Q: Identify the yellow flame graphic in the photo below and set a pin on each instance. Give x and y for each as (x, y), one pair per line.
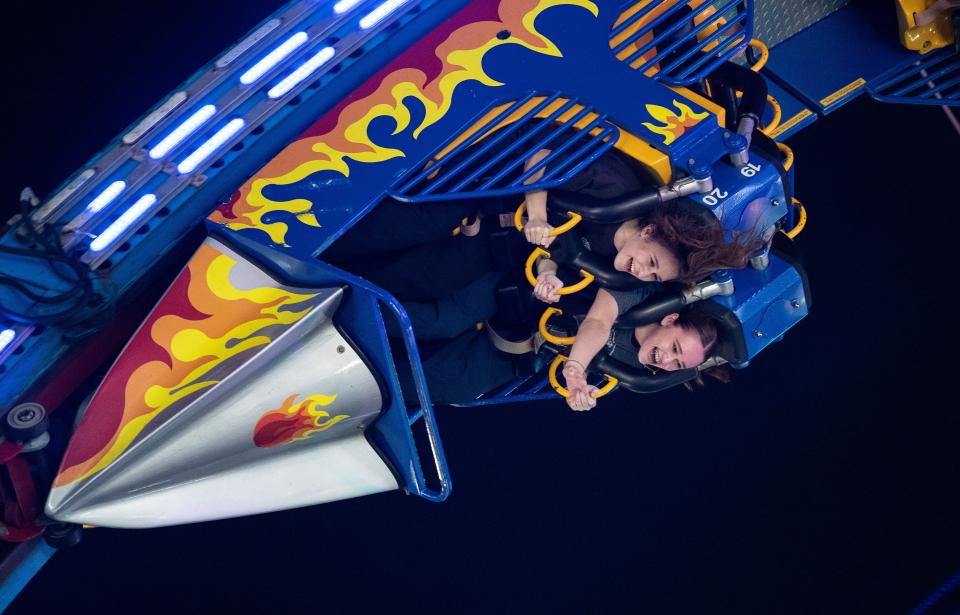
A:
(462, 55)
(195, 347)
(672, 125)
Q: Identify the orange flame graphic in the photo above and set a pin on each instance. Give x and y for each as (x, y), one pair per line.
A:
(461, 58)
(202, 321)
(673, 125)
(290, 422)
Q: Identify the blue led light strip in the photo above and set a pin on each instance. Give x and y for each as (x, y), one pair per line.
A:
(380, 13)
(211, 145)
(107, 196)
(184, 130)
(345, 5)
(273, 58)
(305, 70)
(122, 223)
(6, 336)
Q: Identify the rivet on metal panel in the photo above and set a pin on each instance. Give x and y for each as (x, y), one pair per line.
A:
(757, 333)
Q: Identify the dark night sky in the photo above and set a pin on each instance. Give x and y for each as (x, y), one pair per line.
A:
(822, 480)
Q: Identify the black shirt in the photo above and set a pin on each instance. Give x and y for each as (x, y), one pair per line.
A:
(608, 177)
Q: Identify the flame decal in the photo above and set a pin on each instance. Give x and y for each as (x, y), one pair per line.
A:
(203, 321)
(461, 60)
(673, 125)
(290, 423)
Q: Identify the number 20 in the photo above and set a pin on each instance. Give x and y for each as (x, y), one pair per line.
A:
(714, 197)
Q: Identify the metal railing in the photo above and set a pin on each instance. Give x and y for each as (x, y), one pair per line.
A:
(680, 46)
(491, 160)
(933, 79)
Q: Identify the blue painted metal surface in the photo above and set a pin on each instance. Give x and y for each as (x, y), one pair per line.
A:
(746, 198)
(768, 303)
(829, 63)
(931, 79)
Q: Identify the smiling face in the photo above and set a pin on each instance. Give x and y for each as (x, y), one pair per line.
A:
(668, 346)
(646, 259)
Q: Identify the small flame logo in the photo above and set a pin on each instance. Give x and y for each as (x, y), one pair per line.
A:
(672, 125)
(292, 422)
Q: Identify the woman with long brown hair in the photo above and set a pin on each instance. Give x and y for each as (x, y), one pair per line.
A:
(675, 243)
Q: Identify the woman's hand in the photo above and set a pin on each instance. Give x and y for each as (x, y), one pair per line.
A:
(538, 232)
(548, 288)
(581, 394)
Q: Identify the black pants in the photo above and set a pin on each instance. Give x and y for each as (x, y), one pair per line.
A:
(446, 283)
(460, 370)
(393, 225)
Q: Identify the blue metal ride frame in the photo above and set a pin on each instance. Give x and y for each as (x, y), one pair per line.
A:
(739, 31)
(25, 362)
(583, 71)
(555, 163)
(932, 79)
(509, 394)
(24, 562)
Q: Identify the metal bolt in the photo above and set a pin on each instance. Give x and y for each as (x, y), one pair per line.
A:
(691, 162)
(775, 202)
(198, 180)
(796, 304)
(341, 350)
(757, 333)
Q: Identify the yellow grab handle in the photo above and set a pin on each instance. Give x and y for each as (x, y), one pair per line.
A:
(574, 220)
(566, 290)
(777, 114)
(550, 337)
(609, 386)
(537, 253)
(575, 288)
(518, 216)
(802, 222)
(764, 54)
(787, 155)
(606, 388)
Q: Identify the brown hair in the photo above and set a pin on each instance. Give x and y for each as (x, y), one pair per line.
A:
(698, 241)
(706, 328)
